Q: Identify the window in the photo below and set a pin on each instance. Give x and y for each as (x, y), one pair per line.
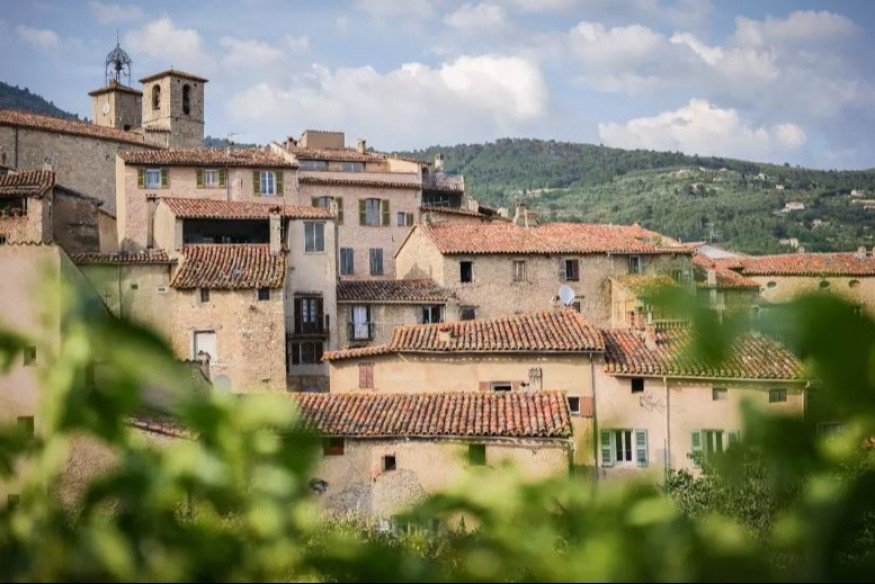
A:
(332, 446)
(373, 212)
(29, 356)
(347, 261)
(263, 294)
(777, 395)
(719, 394)
(361, 328)
(2, 239)
(466, 272)
(624, 447)
(405, 219)
(205, 295)
(210, 178)
(153, 178)
(26, 426)
(156, 97)
(325, 203)
(389, 463)
(314, 237)
(501, 386)
(570, 270)
(186, 99)
(637, 385)
(366, 376)
(352, 166)
(307, 353)
(519, 270)
(771, 285)
(313, 164)
(853, 283)
(205, 342)
(432, 314)
(710, 442)
(635, 265)
(267, 183)
(477, 454)
(467, 313)
(824, 284)
(376, 255)
(574, 405)
(308, 314)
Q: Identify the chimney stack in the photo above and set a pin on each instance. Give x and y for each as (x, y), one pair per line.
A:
(439, 162)
(650, 337)
(523, 217)
(276, 233)
(362, 146)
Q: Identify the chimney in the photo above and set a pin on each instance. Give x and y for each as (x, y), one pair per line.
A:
(523, 217)
(276, 232)
(650, 337)
(712, 277)
(439, 162)
(861, 252)
(362, 146)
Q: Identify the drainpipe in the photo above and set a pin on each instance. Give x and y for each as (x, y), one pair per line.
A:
(667, 426)
(595, 420)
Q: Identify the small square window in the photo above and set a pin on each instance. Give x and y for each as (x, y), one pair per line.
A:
(637, 385)
(153, 178)
(571, 270)
(501, 386)
(466, 272)
(29, 356)
(263, 294)
(574, 404)
(205, 294)
(135, 286)
(477, 454)
(635, 265)
(332, 446)
(2, 239)
(26, 425)
(211, 178)
(519, 271)
(467, 313)
(777, 395)
(719, 394)
(389, 463)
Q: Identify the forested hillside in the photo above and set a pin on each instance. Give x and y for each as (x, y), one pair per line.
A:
(737, 203)
(13, 97)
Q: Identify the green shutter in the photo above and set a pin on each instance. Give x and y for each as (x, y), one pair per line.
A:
(223, 177)
(363, 214)
(385, 205)
(141, 178)
(607, 448)
(165, 178)
(280, 175)
(200, 178)
(339, 201)
(641, 453)
(256, 182)
(696, 444)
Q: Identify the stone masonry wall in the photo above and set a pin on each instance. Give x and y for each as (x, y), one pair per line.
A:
(34, 226)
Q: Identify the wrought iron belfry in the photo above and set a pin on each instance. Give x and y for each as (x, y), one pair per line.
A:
(118, 65)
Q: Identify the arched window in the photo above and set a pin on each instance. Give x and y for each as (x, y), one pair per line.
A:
(853, 283)
(156, 97)
(186, 99)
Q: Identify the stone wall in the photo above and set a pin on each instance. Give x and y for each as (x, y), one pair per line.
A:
(75, 222)
(108, 232)
(858, 289)
(385, 318)
(187, 130)
(419, 258)
(33, 226)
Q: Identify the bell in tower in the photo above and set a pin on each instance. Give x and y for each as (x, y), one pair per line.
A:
(118, 66)
(116, 104)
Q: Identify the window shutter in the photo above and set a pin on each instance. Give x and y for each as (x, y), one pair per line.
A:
(298, 314)
(607, 449)
(256, 182)
(363, 375)
(385, 204)
(320, 317)
(200, 177)
(641, 451)
(363, 214)
(141, 178)
(223, 177)
(165, 178)
(483, 386)
(734, 437)
(562, 275)
(371, 376)
(314, 201)
(696, 443)
(280, 175)
(339, 201)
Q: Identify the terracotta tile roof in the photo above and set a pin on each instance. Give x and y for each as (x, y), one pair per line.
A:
(371, 351)
(391, 291)
(351, 182)
(432, 415)
(26, 183)
(456, 211)
(551, 331)
(219, 157)
(547, 238)
(752, 356)
(150, 256)
(804, 264)
(221, 209)
(230, 267)
(160, 424)
(342, 154)
(22, 119)
(174, 72)
(726, 278)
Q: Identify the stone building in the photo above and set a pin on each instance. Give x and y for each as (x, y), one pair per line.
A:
(521, 354)
(368, 311)
(496, 268)
(383, 452)
(173, 109)
(725, 289)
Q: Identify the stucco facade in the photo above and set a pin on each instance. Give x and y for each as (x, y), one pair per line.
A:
(384, 318)
(857, 289)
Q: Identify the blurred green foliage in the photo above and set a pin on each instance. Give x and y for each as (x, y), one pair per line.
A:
(234, 503)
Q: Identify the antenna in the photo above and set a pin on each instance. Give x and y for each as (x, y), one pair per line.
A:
(566, 295)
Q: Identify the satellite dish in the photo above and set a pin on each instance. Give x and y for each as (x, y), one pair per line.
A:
(222, 384)
(566, 295)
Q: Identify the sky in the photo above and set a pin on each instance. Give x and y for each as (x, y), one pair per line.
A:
(766, 80)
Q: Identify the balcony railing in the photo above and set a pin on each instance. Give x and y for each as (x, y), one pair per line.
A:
(360, 331)
(296, 325)
(443, 182)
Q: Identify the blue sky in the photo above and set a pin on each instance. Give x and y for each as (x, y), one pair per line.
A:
(773, 80)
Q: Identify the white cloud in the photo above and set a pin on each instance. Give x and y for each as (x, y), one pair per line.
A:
(541, 5)
(393, 10)
(800, 26)
(249, 54)
(40, 38)
(296, 43)
(621, 46)
(483, 18)
(163, 41)
(706, 129)
(470, 98)
(107, 13)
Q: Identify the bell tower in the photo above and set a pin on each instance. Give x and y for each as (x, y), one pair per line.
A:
(173, 108)
(116, 104)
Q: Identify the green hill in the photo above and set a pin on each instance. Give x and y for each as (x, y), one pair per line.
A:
(22, 99)
(732, 202)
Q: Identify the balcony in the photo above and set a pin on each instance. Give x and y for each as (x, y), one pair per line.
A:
(299, 327)
(443, 182)
(360, 331)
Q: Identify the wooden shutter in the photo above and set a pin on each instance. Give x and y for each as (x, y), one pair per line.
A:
(280, 175)
(607, 448)
(363, 213)
(339, 201)
(299, 314)
(141, 178)
(200, 177)
(483, 386)
(320, 315)
(256, 182)
(223, 177)
(385, 205)
(696, 444)
(165, 178)
(563, 276)
(641, 452)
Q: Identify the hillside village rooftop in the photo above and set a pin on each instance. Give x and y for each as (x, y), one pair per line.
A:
(803, 264)
(221, 209)
(16, 118)
(230, 267)
(223, 157)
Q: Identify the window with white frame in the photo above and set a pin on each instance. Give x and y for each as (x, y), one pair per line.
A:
(267, 183)
(636, 265)
(624, 447)
(519, 270)
(373, 212)
(712, 441)
(360, 323)
(404, 219)
(432, 314)
(352, 166)
(153, 178)
(777, 396)
(211, 178)
(314, 237)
